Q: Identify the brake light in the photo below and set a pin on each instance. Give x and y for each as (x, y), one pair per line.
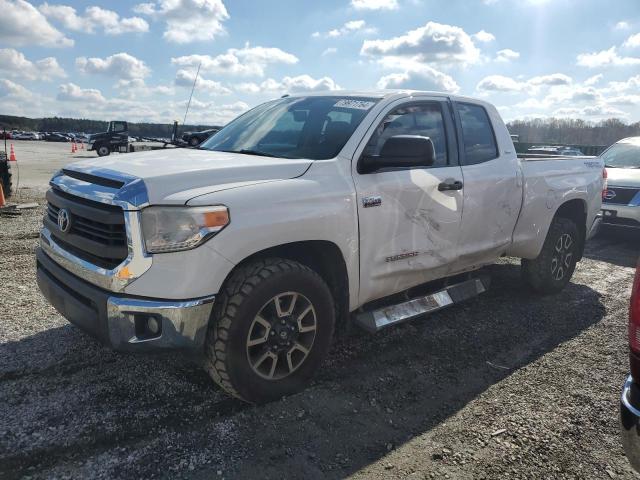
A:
(605, 182)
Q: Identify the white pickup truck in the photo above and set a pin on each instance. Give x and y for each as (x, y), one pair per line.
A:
(303, 215)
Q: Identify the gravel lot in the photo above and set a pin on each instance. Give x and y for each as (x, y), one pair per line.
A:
(509, 385)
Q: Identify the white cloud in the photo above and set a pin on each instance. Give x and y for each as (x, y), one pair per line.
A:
(483, 36)
(209, 113)
(622, 25)
(633, 41)
(605, 58)
(187, 20)
(352, 26)
(12, 89)
(329, 51)
(632, 83)
(507, 55)
(298, 84)
(593, 80)
(421, 78)
(433, 42)
(624, 100)
(21, 24)
(73, 93)
(500, 83)
(247, 61)
(121, 65)
(185, 78)
(374, 4)
(15, 65)
(94, 18)
(550, 80)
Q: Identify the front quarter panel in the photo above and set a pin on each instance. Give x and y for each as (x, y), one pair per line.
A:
(320, 205)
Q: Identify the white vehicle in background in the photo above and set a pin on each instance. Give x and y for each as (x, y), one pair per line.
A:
(301, 215)
(26, 136)
(621, 200)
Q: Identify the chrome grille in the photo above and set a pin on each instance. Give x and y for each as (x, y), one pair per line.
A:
(97, 232)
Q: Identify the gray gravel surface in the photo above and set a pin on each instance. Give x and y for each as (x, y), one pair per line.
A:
(509, 385)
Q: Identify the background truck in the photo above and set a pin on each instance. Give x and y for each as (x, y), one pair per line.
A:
(115, 139)
(300, 217)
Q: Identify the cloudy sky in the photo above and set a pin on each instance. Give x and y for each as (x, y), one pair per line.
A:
(137, 61)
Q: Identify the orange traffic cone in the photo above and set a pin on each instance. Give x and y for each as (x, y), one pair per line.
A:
(2, 200)
(73, 147)
(12, 154)
(81, 145)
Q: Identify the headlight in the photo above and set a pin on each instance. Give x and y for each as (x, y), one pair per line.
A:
(171, 229)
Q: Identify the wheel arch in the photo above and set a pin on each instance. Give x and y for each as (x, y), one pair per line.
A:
(322, 256)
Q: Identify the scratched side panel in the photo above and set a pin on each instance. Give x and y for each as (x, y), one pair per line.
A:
(547, 185)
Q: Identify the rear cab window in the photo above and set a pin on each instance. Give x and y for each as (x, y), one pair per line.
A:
(479, 141)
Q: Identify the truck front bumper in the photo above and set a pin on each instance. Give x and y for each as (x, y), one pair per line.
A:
(122, 322)
(630, 422)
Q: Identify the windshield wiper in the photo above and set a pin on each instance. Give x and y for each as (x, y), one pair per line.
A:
(249, 151)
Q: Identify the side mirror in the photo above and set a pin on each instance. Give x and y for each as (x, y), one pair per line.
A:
(401, 151)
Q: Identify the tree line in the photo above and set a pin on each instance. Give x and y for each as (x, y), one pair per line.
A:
(78, 125)
(572, 131)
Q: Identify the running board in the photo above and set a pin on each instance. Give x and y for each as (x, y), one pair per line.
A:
(375, 320)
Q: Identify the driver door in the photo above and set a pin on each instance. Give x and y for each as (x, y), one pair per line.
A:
(409, 222)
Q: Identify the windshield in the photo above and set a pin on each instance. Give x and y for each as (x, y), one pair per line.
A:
(294, 127)
(622, 155)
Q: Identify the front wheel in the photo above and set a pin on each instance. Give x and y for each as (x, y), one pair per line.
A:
(272, 327)
(103, 151)
(194, 141)
(552, 270)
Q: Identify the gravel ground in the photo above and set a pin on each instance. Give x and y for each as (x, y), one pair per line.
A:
(509, 385)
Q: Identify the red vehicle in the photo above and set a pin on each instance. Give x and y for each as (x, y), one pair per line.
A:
(630, 401)
(5, 135)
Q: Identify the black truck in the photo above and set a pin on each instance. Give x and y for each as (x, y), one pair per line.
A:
(115, 139)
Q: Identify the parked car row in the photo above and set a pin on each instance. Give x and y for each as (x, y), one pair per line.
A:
(47, 136)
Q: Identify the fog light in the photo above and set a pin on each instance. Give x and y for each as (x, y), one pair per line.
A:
(153, 326)
(147, 326)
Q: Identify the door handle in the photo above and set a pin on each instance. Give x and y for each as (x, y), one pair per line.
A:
(450, 185)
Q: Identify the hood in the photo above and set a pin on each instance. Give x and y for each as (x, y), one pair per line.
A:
(176, 175)
(623, 177)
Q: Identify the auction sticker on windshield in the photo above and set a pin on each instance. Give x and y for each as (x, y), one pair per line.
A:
(354, 104)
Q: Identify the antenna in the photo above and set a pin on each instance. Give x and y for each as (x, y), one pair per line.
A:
(184, 122)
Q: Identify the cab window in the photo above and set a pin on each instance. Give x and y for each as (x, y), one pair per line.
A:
(423, 119)
(477, 133)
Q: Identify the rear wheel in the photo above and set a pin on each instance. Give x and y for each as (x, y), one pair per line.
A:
(103, 150)
(552, 270)
(271, 329)
(193, 141)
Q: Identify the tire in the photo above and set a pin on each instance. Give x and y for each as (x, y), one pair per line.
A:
(194, 141)
(552, 270)
(238, 367)
(103, 150)
(5, 176)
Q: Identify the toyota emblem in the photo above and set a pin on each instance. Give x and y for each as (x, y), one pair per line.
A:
(609, 195)
(64, 220)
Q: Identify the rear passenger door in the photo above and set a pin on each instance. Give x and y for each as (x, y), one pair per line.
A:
(492, 185)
